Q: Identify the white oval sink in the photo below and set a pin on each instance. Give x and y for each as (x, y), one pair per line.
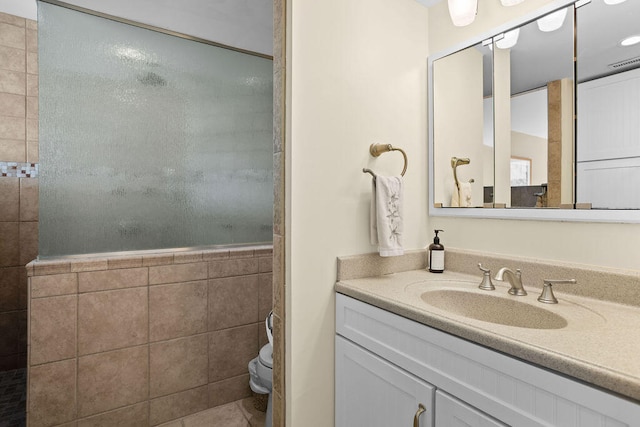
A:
(494, 309)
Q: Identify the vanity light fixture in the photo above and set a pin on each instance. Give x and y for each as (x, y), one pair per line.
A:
(462, 12)
(509, 40)
(612, 2)
(630, 41)
(512, 2)
(552, 21)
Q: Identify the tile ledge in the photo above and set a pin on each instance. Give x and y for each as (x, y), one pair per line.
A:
(153, 257)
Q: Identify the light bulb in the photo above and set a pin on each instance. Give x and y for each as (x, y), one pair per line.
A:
(509, 40)
(630, 41)
(462, 12)
(612, 2)
(552, 21)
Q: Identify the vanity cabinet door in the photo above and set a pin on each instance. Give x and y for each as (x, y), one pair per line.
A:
(371, 392)
(452, 412)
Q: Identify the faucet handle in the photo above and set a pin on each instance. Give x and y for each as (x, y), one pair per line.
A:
(547, 296)
(486, 284)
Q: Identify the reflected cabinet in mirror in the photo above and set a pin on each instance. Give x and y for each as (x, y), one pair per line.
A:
(608, 105)
(518, 126)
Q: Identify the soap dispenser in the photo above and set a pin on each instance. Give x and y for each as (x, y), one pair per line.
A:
(436, 254)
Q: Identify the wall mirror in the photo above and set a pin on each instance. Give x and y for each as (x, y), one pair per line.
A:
(608, 104)
(463, 117)
(529, 158)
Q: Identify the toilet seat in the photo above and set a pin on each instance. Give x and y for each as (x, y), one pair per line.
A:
(264, 368)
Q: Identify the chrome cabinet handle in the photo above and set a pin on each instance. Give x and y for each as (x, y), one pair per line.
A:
(416, 418)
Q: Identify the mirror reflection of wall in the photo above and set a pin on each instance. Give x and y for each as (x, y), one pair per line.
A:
(523, 64)
(529, 132)
(520, 171)
(459, 122)
(608, 94)
(541, 110)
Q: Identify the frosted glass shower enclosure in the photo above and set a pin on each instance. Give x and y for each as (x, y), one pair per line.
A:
(148, 140)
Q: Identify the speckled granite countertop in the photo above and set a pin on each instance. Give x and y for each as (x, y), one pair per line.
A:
(600, 344)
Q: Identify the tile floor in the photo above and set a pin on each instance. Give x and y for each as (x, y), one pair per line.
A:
(13, 398)
(240, 413)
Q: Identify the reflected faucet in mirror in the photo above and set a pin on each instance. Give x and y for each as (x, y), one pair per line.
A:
(461, 196)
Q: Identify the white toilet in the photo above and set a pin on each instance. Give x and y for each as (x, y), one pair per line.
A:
(261, 369)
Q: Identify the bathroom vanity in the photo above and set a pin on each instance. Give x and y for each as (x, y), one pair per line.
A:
(404, 357)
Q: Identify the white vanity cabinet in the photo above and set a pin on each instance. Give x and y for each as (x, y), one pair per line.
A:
(388, 363)
(372, 392)
(453, 413)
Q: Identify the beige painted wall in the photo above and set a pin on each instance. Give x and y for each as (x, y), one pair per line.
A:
(531, 147)
(502, 127)
(356, 74)
(600, 244)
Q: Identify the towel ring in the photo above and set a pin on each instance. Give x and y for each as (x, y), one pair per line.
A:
(455, 162)
(377, 149)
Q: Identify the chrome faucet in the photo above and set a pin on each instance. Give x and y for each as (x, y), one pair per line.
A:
(515, 279)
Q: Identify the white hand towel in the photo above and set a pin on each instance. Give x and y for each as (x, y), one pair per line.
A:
(465, 194)
(386, 215)
(462, 198)
(455, 197)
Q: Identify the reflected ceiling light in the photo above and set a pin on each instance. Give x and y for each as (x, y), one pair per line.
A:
(552, 21)
(512, 2)
(509, 40)
(630, 41)
(612, 2)
(462, 12)
(129, 53)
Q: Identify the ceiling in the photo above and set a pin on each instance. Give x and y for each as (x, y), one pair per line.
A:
(600, 30)
(540, 57)
(428, 3)
(23, 8)
(247, 24)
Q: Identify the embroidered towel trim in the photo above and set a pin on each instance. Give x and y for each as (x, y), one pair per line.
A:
(461, 198)
(386, 215)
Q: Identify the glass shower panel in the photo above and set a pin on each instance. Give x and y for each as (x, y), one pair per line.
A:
(148, 140)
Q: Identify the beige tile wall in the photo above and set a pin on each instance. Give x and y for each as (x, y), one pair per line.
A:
(18, 196)
(18, 245)
(279, 212)
(146, 339)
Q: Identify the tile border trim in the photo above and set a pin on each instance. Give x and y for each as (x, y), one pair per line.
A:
(19, 169)
(101, 262)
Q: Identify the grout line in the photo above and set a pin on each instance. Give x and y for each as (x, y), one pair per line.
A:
(208, 340)
(77, 391)
(25, 92)
(244, 415)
